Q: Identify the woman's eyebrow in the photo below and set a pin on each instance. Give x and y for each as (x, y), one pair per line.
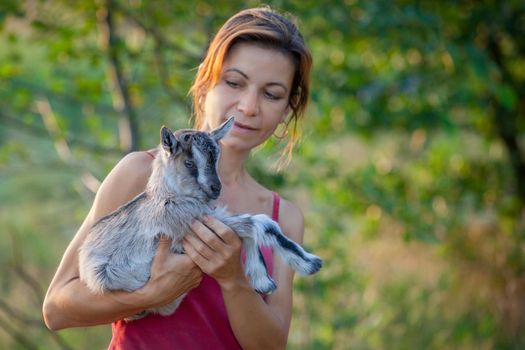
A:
(248, 78)
(238, 71)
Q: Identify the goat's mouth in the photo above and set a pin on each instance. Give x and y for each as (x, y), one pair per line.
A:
(212, 192)
(212, 196)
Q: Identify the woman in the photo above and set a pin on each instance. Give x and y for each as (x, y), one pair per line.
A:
(256, 69)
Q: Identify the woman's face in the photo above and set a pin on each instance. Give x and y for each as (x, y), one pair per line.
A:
(254, 87)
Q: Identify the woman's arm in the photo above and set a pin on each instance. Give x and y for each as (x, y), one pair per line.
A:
(256, 324)
(69, 303)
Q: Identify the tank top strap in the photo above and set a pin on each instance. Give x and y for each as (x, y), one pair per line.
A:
(276, 205)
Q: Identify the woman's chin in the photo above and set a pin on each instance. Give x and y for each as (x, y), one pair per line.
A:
(238, 144)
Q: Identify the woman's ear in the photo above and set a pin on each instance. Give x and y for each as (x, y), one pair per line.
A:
(294, 98)
(286, 113)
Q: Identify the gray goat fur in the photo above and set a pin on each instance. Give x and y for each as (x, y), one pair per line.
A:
(120, 247)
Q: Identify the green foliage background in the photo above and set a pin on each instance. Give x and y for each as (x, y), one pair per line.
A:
(410, 172)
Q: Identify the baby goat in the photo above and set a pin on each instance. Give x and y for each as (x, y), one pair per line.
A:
(120, 247)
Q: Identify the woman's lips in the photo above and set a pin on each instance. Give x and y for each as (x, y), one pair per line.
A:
(243, 127)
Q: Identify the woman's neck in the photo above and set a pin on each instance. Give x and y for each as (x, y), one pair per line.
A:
(232, 169)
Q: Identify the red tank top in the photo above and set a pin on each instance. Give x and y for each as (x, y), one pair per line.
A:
(200, 321)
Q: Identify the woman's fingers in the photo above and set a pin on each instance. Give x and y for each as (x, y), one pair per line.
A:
(207, 235)
(165, 261)
(215, 248)
(201, 261)
(163, 250)
(224, 232)
(171, 274)
(205, 240)
(220, 239)
(200, 247)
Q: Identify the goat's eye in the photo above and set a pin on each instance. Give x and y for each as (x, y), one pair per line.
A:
(189, 164)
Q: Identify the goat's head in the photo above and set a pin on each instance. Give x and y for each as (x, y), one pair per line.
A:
(192, 157)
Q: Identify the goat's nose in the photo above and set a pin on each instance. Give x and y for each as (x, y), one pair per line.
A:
(216, 189)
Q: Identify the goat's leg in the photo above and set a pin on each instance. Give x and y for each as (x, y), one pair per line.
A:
(269, 233)
(165, 310)
(113, 267)
(255, 268)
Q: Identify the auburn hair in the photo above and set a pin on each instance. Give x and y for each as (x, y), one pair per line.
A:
(266, 27)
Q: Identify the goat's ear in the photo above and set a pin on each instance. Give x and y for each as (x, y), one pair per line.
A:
(168, 141)
(222, 130)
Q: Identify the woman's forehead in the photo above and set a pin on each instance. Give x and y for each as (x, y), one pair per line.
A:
(258, 62)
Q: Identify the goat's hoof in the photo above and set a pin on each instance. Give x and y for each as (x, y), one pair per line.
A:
(315, 265)
(138, 316)
(265, 287)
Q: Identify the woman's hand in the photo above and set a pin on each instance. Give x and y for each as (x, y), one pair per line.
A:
(216, 249)
(171, 276)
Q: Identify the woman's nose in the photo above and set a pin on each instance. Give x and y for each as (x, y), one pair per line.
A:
(248, 103)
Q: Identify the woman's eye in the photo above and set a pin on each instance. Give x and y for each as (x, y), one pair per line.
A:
(232, 84)
(272, 96)
(189, 164)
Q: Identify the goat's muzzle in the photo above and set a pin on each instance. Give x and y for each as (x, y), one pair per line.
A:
(215, 191)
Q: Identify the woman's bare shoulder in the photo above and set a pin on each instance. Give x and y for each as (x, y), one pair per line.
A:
(125, 181)
(137, 165)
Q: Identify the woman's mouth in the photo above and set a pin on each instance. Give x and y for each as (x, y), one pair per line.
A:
(243, 127)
